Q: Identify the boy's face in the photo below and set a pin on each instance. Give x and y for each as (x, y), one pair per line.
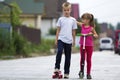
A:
(66, 11)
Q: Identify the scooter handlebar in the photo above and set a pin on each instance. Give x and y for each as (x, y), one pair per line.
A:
(86, 34)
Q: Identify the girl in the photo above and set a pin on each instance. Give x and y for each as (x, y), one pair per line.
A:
(87, 27)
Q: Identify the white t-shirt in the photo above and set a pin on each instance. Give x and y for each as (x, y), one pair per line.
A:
(66, 24)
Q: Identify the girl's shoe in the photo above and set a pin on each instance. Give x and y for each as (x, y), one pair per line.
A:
(81, 75)
(66, 76)
(89, 76)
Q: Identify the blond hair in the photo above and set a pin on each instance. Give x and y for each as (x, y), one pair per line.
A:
(66, 4)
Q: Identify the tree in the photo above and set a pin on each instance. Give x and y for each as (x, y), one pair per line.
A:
(17, 43)
(16, 11)
(97, 27)
(110, 31)
(5, 12)
(78, 28)
(118, 26)
(111, 27)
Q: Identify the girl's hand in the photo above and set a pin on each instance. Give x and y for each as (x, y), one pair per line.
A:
(87, 34)
(79, 23)
(95, 35)
(90, 33)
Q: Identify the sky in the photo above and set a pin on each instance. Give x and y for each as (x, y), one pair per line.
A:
(104, 10)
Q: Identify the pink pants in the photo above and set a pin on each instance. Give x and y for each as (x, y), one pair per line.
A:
(87, 55)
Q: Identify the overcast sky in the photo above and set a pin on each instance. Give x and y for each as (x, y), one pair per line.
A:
(103, 10)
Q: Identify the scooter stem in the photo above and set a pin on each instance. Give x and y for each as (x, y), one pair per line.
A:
(84, 36)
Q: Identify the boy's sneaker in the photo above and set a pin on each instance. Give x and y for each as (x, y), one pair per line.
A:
(89, 76)
(81, 75)
(56, 70)
(66, 76)
(57, 74)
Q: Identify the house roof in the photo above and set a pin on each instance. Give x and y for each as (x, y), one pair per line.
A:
(52, 8)
(29, 6)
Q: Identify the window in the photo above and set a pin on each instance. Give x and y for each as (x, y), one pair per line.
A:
(105, 41)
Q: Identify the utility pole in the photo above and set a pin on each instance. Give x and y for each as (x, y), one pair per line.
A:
(11, 10)
(11, 15)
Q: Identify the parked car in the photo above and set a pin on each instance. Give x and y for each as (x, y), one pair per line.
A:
(117, 42)
(106, 43)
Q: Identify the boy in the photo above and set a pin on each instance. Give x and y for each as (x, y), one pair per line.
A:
(65, 38)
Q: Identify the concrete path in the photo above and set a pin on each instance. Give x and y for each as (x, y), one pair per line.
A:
(106, 66)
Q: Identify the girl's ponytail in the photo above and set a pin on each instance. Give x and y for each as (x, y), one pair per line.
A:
(92, 23)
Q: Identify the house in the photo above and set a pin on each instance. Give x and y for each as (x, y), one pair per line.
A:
(42, 14)
(32, 12)
(103, 29)
(106, 31)
(110, 33)
(53, 10)
(75, 11)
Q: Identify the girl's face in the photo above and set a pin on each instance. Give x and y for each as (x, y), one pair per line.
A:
(86, 21)
(66, 11)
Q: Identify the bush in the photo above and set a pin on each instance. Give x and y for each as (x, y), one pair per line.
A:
(52, 31)
(43, 48)
(19, 46)
(6, 47)
(4, 39)
(46, 45)
(10, 46)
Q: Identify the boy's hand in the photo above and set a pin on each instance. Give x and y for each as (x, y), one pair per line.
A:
(56, 42)
(73, 44)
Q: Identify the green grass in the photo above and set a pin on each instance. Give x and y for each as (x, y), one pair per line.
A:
(41, 49)
(29, 49)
